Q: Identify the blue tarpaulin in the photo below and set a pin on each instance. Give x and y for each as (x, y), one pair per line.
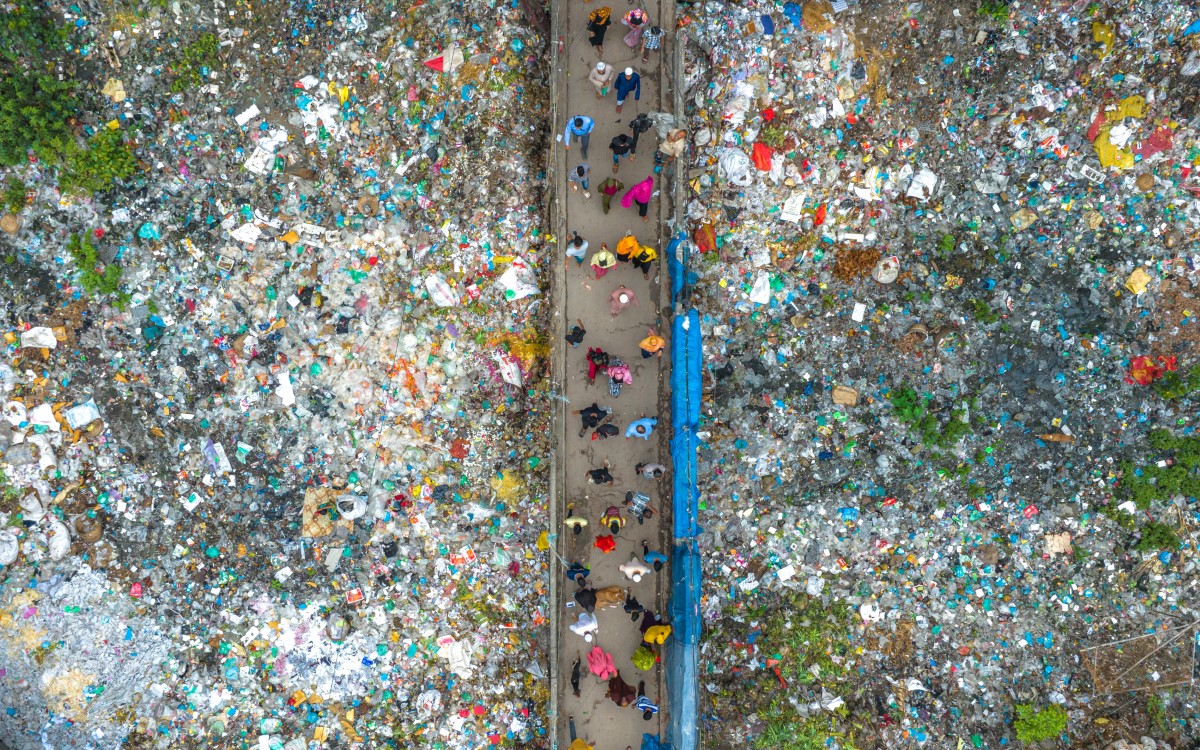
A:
(682, 672)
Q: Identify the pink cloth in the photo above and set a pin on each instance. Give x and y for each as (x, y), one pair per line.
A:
(601, 663)
(640, 192)
(620, 374)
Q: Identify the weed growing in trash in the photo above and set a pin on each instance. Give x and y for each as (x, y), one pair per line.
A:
(1036, 725)
(194, 61)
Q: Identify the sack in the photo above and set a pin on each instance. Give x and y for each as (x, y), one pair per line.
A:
(761, 156)
(633, 38)
(604, 91)
(705, 238)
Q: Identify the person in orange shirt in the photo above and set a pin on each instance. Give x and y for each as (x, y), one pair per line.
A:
(627, 248)
(652, 345)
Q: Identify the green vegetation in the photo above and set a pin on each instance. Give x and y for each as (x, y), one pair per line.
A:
(1153, 483)
(913, 411)
(997, 10)
(1173, 385)
(796, 734)
(810, 638)
(1157, 536)
(1156, 712)
(95, 282)
(773, 136)
(35, 106)
(983, 312)
(195, 59)
(1035, 726)
(106, 159)
(34, 113)
(28, 31)
(14, 195)
(946, 244)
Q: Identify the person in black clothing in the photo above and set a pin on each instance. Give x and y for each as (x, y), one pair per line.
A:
(575, 682)
(638, 125)
(632, 606)
(605, 431)
(620, 146)
(601, 475)
(575, 336)
(598, 23)
(591, 416)
(586, 598)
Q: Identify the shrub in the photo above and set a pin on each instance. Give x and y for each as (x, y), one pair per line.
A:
(105, 281)
(1157, 536)
(14, 195)
(94, 169)
(34, 110)
(1035, 726)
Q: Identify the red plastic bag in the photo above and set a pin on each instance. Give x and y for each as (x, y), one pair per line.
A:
(705, 238)
(762, 157)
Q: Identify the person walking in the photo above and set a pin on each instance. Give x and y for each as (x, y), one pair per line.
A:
(628, 83)
(578, 177)
(620, 147)
(636, 20)
(651, 346)
(575, 336)
(592, 416)
(652, 39)
(613, 519)
(578, 572)
(651, 471)
(610, 187)
(602, 77)
(598, 22)
(601, 475)
(580, 126)
(644, 704)
(573, 522)
(597, 360)
(637, 126)
(577, 248)
(621, 298)
(627, 248)
(670, 149)
(638, 504)
(641, 428)
(643, 260)
(618, 377)
(640, 193)
(602, 260)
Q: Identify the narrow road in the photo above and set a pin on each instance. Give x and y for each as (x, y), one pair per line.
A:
(597, 719)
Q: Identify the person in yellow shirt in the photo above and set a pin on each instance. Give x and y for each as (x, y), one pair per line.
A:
(602, 260)
(657, 634)
(652, 345)
(627, 248)
(643, 260)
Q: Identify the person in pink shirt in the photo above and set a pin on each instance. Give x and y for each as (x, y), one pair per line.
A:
(640, 194)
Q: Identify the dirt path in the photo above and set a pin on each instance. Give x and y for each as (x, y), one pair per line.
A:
(598, 719)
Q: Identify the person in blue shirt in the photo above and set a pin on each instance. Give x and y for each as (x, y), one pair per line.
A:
(627, 83)
(653, 558)
(581, 127)
(641, 428)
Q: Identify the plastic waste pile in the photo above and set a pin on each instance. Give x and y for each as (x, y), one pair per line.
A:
(945, 259)
(285, 487)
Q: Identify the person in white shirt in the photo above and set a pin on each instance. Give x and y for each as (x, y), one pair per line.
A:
(602, 77)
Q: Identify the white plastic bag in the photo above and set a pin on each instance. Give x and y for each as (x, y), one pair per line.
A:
(734, 166)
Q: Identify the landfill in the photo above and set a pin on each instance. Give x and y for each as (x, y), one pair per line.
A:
(945, 259)
(273, 469)
(274, 464)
